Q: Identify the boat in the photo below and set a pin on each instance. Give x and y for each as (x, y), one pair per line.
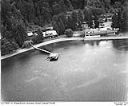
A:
(53, 56)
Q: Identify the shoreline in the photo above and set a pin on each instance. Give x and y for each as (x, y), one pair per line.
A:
(19, 51)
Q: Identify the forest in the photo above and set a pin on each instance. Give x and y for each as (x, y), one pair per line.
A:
(17, 16)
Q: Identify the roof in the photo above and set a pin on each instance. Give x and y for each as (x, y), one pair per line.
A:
(53, 32)
(49, 33)
(29, 33)
(105, 28)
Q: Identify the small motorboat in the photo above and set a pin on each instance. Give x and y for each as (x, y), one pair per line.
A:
(53, 56)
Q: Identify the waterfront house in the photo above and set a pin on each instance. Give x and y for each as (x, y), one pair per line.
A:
(29, 34)
(50, 33)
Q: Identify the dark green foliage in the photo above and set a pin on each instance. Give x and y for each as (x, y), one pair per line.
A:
(19, 34)
(80, 18)
(59, 7)
(18, 15)
(68, 5)
(13, 27)
(94, 3)
(88, 16)
(56, 8)
(92, 13)
(72, 20)
(69, 32)
(124, 17)
(77, 18)
(43, 12)
(8, 46)
(96, 23)
(27, 44)
(38, 38)
(78, 4)
(58, 23)
(39, 32)
(115, 21)
(97, 11)
(120, 18)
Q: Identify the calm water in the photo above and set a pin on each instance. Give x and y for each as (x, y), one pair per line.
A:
(94, 71)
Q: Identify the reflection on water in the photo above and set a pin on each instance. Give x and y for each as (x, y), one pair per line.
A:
(120, 44)
(94, 71)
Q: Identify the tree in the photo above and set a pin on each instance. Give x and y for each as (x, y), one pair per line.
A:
(64, 19)
(43, 12)
(116, 21)
(58, 24)
(55, 24)
(27, 10)
(59, 7)
(80, 18)
(69, 32)
(78, 4)
(38, 38)
(88, 16)
(61, 26)
(27, 44)
(120, 18)
(19, 34)
(6, 14)
(7, 46)
(68, 5)
(97, 11)
(124, 17)
(63, 7)
(124, 20)
(96, 21)
(74, 20)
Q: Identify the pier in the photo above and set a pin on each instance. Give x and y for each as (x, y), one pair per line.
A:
(102, 32)
(106, 38)
(51, 57)
(42, 50)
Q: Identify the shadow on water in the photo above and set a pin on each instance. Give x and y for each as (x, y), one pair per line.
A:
(121, 45)
(93, 43)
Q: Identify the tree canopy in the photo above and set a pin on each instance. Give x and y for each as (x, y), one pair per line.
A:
(18, 15)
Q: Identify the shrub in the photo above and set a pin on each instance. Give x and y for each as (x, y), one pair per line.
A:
(37, 39)
(69, 32)
(27, 44)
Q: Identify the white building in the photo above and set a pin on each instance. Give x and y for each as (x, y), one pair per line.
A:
(50, 33)
(29, 34)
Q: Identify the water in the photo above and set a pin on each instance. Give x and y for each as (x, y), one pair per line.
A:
(94, 71)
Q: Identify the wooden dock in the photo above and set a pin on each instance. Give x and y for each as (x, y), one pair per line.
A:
(42, 50)
(102, 32)
(106, 38)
